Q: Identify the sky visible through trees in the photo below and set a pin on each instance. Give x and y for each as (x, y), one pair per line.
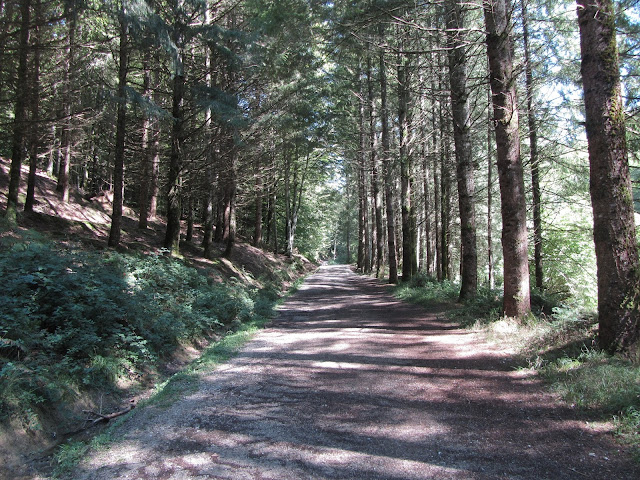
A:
(443, 139)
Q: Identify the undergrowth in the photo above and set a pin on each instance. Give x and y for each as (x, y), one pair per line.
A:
(75, 320)
(559, 343)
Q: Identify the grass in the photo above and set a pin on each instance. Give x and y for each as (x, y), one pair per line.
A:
(560, 348)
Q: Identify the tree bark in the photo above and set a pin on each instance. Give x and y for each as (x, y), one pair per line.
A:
(20, 115)
(409, 241)
(461, 113)
(121, 125)
(510, 173)
(363, 235)
(386, 162)
(490, 273)
(610, 182)
(375, 180)
(34, 128)
(66, 141)
(146, 154)
(174, 184)
(533, 150)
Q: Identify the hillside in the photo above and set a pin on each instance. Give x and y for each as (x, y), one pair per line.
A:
(55, 264)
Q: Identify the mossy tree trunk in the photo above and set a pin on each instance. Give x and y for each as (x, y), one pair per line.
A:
(610, 182)
(503, 78)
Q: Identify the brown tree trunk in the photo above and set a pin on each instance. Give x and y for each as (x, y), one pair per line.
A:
(146, 151)
(66, 141)
(34, 129)
(121, 125)
(490, 274)
(257, 219)
(533, 147)
(363, 235)
(462, 136)
(375, 177)
(409, 240)
(510, 173)
(230, 228)
(20, 115)
(386, 162)
(174, 190)
(610, 183)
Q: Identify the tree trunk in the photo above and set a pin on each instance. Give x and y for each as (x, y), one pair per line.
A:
(65, 145)
(533, 147)
(232, 191)
(437, 204)
(386, 162)
(121, 125)
(146, 152)
(363, 236)
(510, 173)
(375, 180)
(257, 219)
(610, 182)
(20, 115)
(461, 113)
(174, 190)
(34, 129)
(409, 247)
(490, 274)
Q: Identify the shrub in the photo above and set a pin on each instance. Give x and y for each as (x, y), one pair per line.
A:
(73, 319)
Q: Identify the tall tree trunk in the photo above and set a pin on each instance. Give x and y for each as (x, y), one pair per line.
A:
(20, 114)
(257, 220)
(533, 147)
(146, 158)
(34, 129)
(386, 162)
(174, 190)
(121, 126)
(510, 173)
(491, 276)
(445, 202)
(437, 203)
(409, 240)
(427, 213)
(232, 192)
(375, 180)
(461, 113)
(610, 182)
(190, 216)
(155, 156)
(363, 236)
(67, 122)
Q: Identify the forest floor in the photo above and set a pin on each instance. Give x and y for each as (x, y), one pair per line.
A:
(349, 383)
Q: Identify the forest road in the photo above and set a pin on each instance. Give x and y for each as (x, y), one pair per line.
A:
(350, 383)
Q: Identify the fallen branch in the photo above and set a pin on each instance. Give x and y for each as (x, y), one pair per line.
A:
(106, 418)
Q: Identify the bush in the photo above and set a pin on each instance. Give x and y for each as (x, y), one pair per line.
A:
(73, 319)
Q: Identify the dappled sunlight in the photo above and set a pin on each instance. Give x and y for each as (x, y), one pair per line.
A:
(373, 389)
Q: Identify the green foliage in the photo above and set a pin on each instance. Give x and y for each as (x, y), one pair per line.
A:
(425, 290)
(73, 319)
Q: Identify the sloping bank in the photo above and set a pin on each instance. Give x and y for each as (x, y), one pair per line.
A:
(85, 332)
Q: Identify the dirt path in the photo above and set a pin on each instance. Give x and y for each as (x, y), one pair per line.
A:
(349, 383)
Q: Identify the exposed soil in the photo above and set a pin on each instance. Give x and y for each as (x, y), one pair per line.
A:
(350, 383)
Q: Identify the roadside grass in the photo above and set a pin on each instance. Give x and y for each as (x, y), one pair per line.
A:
(560, 347)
